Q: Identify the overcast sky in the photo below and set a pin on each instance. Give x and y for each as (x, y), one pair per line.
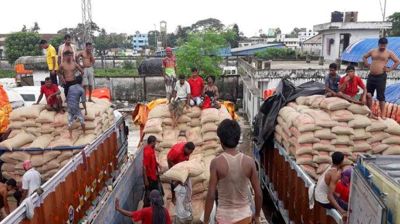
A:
(127, 16)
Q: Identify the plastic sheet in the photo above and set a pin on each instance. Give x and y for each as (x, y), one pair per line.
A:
(151, 66)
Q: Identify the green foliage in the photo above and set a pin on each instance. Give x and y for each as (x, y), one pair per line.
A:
(78, 33)
(276, 53)
(395, 19)
(201, 51)
(105, 42)
(57, 40)
(7, 73)
(22, 44)
(128, 65)
(112, 72)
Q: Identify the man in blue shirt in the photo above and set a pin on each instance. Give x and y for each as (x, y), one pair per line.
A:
(332, 81)
(76, 95)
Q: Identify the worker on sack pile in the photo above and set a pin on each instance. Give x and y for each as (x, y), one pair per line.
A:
(10, 185)
(180, 99)
(332, 81)
(66, 46)
(169, 72)
(31, 180)
(68, 69)
(326, 185)
(210, 94)
(88, 70)
(150, 169)
(52, 94)
(75, 96)
(196, 88)
(231, 173)
(378, 71)
(342, 190)
(155, 214)
(178, 153)
(51, 59)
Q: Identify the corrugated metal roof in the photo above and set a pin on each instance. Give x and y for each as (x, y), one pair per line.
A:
(356, 51)
(255, 47)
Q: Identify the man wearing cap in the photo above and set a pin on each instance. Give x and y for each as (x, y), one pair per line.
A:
(31, 179)
(169, 71)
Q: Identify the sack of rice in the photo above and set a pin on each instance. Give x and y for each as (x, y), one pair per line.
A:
(207, 127)
(30, 123)
(293, 105)
(360, 121)
(342, 115)
(47, 175)
(51, 165)
(376, 125)
(153, 126)
(184, 119)
(14, 133)
(310, 170)
(162, 161)
(46, 129)
(160, 111)
(316, 100)
(89, 125)
(46, 116)
(360, 134)
(195, 167)
(195, 122)
(345, 149)
(301, 100)
(209, 145)
(85, 139)
(179, 172)
(195, 112)
(322, 158)
(42, 141)
(209, 115)
(19, 140)
(198, 210)
(62, 142)
(60, 120)
(325, 133)
(37, 160)
(392, 140)
(361, 146)
(65, 155)
(194, 135)
(307, 137)
(308, 128)
(18, 114)
(343, 130)
(50, 155)
(342, 140)
(183, 126)
(16, 124)
(378, 148)
(334, 103)
(302, 120)
(167, 121)
(392, 126)
(322, 167)
(324, 145)
(305, 159)
(209, 136)
(359, 109)
(14, 157)
(304, 149)
(377, 136)
(392, 150)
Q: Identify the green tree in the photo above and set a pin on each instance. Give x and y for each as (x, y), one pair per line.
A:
(208, 24)
(201, 51)
(235, 36)
(395, 19)
(152, 35)
(57, 40)
(101, 43)
(276, 53)
(24, 29)
(35, 28)
(21, 44)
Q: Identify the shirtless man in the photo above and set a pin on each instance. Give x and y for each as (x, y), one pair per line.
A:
(87, 65)
(66, 46)
(378, 71)
(231, 174)
(67, 69)
(11, 184)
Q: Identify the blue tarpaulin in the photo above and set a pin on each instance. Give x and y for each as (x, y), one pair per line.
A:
(355, 52)
(392, 93)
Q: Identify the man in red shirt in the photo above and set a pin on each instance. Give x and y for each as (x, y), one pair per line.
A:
(348, 87)
(52, 94)
(342, 190)
(156, 213)
(196, 88)
(150, 168)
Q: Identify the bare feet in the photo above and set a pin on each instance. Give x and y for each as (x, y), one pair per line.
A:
(90, 100)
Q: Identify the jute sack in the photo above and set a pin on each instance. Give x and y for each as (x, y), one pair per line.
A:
(8, 167)
(361, 146)
(360, 121)
(46, 116)
(322, 159)
(322, 167)
(209, 136)
(18, 114)
(392, 126)
(65, 155)
(307, 137)
(334, 103)
(301, 100)
(324, 134)
(392, 150)
(342, 140)
(343, 130)
(18, 141)
(16, 124)
(377, 136)
(42, 141)
(209, 127)
(303, 119)
(198, 210)
(50, 155)
(293, 105)
(310, 170)
(360, 134)
(195, 167)
(197, 187)
(153, 126)
(305, 159)
(209, 115)
(184, 119)
(359, 109)
(14, 133)
(194, 112)
(195, 122)
(308, 127)
(160, 111)
(33, 131)
(167, 121)
(376, 125)
(47, 175)
(345, 149)
(60, 120)
(51, 165)
(85, 139)
(316, 101)
(30, 123)
(183, 126)
(323, 146)
(209, 145)
(342, 115)
(46, 129)
(378, 148)
(194, 135)
(14, 157)
(179, 172)
(392, 140)
(37, 160)
(303, 149)
(34, 111)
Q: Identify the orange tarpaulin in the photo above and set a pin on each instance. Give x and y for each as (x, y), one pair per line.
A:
(5, 110)
(101, 93)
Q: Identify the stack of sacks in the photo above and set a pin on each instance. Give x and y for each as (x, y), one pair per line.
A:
(194, 114)
(24, 118)
(314, 127)
(184, 122)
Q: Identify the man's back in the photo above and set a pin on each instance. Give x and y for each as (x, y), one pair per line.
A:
(31, 181)
(75, 96)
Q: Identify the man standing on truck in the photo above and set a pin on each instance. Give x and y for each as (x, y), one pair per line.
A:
(31, 179)
(196, 88)
(230, 176)
(332, 81)
(326, 185)
(10, 185)
(75, 96)
(52, 94)
(51, 59)
(378, 71)
(150, 168)
(67, 69)
(169, 71)
(348, 87)
(66, 46)
(87, 65)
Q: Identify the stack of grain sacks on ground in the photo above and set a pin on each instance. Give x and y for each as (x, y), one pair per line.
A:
(314, 127)
(197, 126)
(37, 134)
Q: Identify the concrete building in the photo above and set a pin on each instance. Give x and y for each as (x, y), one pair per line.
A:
(305, 35)
(337, 36)
(140, 41)
(312, 46)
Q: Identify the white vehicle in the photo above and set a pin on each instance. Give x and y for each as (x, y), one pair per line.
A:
(15, 98)
(229, 70)
(30, 94)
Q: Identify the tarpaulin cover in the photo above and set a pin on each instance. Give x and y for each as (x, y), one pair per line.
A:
(392, 93)
(265, 121)
(151, 66)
